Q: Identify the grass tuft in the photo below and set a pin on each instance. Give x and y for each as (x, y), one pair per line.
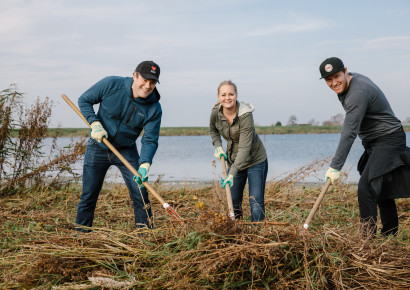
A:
(207, 250)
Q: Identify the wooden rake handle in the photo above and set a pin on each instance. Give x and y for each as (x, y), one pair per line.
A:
(169, 209)
(227, 190)
(317, 204)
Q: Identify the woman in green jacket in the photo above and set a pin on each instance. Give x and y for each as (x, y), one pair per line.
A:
(245, 153)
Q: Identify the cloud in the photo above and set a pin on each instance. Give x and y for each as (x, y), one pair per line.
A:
(394, 42)
(52, 47)
(399, 12)
(381, 43)
(309, 25)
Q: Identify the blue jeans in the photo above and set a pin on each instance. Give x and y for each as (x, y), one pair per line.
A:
(256, 176)
(96, 163)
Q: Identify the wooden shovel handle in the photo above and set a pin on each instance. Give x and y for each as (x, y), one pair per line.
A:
(227, 190)
(118, 154)
(317, 204)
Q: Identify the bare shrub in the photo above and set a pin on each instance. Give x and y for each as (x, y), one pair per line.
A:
(23, 159)
(9, 102)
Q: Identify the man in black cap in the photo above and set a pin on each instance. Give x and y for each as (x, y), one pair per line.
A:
(384, 165)
(127, 106)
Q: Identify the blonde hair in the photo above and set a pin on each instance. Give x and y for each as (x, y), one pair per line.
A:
(228, 83)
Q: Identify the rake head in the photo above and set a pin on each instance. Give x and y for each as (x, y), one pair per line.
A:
(171, 211)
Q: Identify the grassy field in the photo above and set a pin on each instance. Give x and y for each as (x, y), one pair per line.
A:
(204, 251)
(196, 131)
(191, 131)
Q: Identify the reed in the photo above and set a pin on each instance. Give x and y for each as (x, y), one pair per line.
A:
(23, 132)
(207, 250)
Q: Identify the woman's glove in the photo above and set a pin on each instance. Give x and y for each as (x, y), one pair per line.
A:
(219, 152)
(227, 180)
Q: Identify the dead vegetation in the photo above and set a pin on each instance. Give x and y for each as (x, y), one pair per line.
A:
(25, 160)
(207, 250)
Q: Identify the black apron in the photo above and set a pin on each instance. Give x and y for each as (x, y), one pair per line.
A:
(388, 159)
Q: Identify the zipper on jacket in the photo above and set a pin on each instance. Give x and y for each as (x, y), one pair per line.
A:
(118, 128)
(129, 118)
(229, 135)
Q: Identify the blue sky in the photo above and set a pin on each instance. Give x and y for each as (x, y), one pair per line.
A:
(270, 49)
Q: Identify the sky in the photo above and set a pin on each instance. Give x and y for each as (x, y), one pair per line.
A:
(271, 50)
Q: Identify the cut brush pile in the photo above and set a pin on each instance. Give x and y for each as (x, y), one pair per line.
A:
(207, 250)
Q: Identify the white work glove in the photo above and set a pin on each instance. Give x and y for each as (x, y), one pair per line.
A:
(98, 131)
(219, 152)
(143, 171)
(227, 180)
(333, 174)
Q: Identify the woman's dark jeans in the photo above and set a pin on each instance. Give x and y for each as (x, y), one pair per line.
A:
(256, 176)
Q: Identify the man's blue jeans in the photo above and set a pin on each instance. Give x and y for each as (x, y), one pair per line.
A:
(256, 176)
(96, 163)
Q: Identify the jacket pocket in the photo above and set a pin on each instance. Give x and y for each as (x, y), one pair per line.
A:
(234, 133)
(134, 119)
(223, 130)
(218, 126)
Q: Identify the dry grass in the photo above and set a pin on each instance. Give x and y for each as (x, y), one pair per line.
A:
(25, 160)
(207, 250)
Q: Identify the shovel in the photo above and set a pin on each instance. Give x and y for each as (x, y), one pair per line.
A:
(228, 190)
(316, 205)
(166, 206)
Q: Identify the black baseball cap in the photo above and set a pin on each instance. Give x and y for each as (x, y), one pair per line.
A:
(331, 66)
(148, 70)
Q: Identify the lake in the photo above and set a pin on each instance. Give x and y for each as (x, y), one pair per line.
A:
(190, 158)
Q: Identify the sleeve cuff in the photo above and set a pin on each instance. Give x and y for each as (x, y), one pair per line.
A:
(233, 171)
(217, 143)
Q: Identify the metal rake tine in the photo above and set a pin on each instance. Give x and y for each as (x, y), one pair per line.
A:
(173, 213)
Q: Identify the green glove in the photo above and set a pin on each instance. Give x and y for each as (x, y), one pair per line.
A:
(98, 132)
(219, 152)
(227, 180)
(143, 171)
(333, 174)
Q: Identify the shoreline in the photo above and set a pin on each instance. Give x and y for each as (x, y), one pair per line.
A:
(199, 184)
(178, 184)
(200, 131)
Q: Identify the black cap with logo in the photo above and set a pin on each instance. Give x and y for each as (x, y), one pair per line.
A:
(148, 70)
(331, 66)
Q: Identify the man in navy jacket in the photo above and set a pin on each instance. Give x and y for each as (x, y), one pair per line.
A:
(127, 106)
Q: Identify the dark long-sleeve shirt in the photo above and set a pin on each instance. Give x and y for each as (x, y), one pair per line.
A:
(368, 114)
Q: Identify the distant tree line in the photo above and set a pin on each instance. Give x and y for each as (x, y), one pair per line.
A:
(336, 120)
(406, 121)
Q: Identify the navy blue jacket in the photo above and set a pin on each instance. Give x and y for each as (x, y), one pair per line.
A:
(123, 116)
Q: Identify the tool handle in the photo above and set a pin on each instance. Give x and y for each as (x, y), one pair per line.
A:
(118, 154)
(317, 204)
(227, 190)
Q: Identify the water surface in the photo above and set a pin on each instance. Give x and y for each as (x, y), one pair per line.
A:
(190, 158)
